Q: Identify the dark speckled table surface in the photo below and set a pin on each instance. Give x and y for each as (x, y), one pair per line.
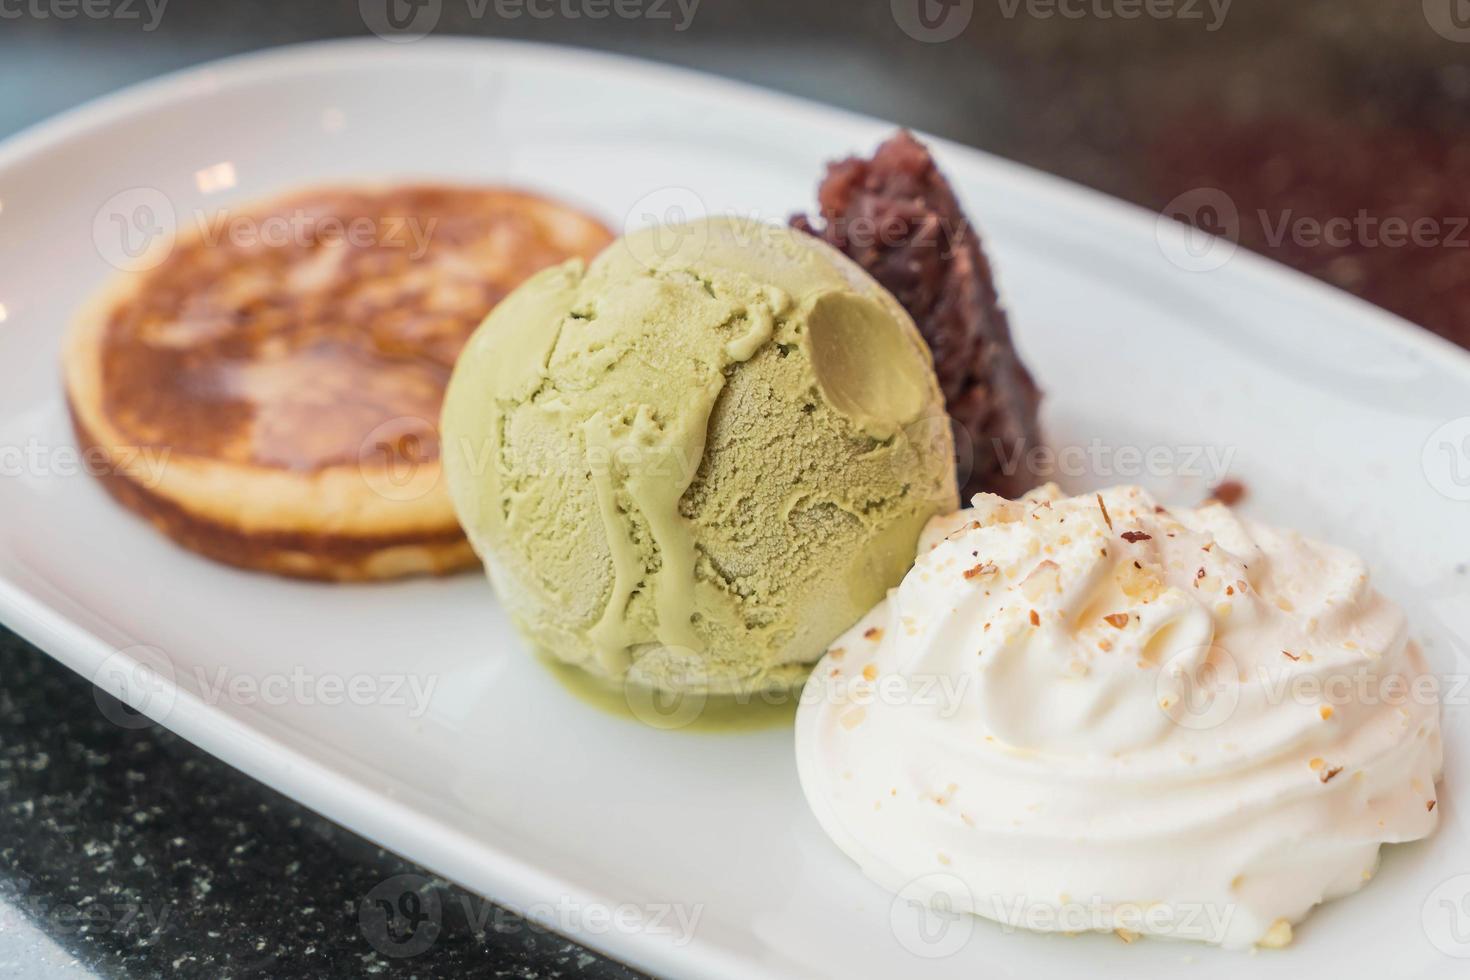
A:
(124, 851)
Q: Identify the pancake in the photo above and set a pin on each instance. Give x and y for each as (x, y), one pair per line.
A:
(281, 371)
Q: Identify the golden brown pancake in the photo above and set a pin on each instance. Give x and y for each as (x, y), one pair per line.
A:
(281, 371)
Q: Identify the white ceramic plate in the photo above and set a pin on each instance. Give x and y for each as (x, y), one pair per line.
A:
(1339, 418)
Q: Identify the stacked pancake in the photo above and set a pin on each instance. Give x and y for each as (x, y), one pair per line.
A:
(292, 382)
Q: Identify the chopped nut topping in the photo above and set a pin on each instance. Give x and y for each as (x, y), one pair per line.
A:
(1045, 579)
(1138, 582)
(1035, 619)
(1104, 508)
(1278, 936)
(1116, 620)
(1325, 711)
(1133, 537)
(853, 718)
(1327, 774)
(870, 672)
(1293, 656)
(836, 653)
(1429, 805)
(874, 633)
(1127, 935)
(984, 568)
(1316, 764)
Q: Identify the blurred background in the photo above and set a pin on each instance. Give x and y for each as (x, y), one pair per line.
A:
(1337, 130)
(1303, 112)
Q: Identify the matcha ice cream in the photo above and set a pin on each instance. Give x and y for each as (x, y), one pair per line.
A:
(693, 463)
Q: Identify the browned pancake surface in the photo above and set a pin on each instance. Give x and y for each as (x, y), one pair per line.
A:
(288, 335)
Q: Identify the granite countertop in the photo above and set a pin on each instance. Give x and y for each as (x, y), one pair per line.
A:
(126, 852)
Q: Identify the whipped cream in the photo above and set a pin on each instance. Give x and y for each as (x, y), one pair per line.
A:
(1094, 713)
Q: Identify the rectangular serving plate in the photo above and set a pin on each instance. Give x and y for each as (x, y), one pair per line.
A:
(691, 855)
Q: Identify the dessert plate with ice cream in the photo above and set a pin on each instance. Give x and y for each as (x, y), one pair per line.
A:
(1111, 726)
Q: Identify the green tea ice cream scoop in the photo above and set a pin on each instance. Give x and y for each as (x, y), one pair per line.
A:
(694, 462)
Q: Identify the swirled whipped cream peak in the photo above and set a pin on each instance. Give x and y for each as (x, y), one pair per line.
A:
(1095, 713)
